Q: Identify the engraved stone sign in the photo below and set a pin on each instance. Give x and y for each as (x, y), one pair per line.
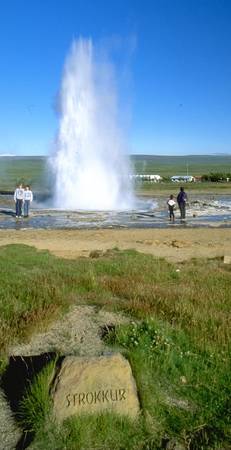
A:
(89, 385)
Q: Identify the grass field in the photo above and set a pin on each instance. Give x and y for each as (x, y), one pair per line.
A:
(178, 344)
(168, 166)
(166, 188)
(36, 172)
(28, 170)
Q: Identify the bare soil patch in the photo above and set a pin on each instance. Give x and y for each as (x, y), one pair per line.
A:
(77, 333)
(172, 244)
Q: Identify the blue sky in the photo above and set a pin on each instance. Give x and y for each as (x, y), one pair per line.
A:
(176, 55)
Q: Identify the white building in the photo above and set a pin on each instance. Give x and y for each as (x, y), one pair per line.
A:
(182, 178)
(147, 177)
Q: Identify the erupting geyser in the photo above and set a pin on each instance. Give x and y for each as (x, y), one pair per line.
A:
(91, 169)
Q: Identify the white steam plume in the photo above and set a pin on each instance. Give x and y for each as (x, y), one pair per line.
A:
(91, 169)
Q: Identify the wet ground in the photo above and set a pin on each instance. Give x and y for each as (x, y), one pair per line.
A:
(202, 211)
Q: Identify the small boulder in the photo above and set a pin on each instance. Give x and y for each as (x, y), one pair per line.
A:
(227, 259)
(93, 385)
(96, 254)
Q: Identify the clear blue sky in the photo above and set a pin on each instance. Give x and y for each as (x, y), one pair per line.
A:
(178, 53)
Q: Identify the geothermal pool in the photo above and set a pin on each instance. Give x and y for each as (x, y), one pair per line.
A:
(202, 211)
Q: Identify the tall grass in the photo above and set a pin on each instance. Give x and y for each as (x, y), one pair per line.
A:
(36, 406)
(31, 292)
(181, 386)
(178, 343)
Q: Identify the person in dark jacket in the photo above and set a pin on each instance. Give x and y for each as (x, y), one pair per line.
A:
(181, 200)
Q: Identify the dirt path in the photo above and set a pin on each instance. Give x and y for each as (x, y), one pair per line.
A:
(173, 244)
(79, 332)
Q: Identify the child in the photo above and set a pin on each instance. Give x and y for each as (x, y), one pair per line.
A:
(171, 205)
(28, 197)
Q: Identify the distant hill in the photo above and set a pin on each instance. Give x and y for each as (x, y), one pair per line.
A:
(32, 170)
(181, 165)
(36, 171)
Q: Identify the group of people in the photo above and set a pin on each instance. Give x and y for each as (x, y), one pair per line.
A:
(181, 200)
(23, 196)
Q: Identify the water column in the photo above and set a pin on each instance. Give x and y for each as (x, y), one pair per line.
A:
(91, 169)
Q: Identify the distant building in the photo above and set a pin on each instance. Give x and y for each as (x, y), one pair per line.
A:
(183, 178)
(198, 178)
(147, 177)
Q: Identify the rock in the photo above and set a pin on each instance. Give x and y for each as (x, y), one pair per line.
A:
(95, 253)
(178, 244)
(156, 242)
(227, 259)
(148, 242)
(179, 403)
(90, 385)
(173, 444)
(183, 380)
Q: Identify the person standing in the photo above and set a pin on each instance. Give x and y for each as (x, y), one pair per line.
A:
(171, 205)
(28, 198)
(18, 198)
(181, 200)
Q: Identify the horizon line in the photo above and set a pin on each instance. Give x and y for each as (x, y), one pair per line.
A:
(144, 155)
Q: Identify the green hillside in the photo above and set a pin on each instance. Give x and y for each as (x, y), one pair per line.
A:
(33, 170)
(36, 171)
(181, 165)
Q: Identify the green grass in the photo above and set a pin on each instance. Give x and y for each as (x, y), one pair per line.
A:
(36, 406)
(27, 170)
(172, 371)
(168, 166)
(96, 432)
(36, 172)
(178, 343)
(192, 189)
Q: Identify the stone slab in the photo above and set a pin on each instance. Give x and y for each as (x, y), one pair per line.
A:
(93, 385)
(227, 259)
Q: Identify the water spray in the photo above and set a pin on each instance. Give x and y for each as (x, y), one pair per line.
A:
(91, 168)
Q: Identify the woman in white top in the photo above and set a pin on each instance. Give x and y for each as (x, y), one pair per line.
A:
(18, 198)
(28, 198)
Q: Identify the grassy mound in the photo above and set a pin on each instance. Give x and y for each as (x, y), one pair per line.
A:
(178, 343)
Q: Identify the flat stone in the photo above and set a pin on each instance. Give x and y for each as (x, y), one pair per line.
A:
(227, 259)
(173, 444)
(93, 385)
(178, 244)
